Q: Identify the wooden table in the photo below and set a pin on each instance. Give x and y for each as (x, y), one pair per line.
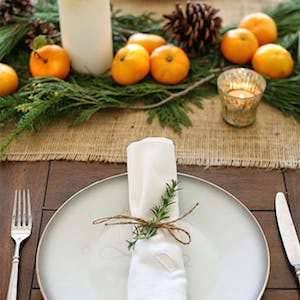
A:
(51, 183)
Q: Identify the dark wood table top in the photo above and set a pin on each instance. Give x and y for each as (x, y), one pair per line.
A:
(51, 183)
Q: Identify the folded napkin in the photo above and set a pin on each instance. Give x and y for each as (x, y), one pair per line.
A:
(156, 269)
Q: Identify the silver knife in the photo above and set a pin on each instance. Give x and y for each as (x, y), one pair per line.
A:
(288, 232)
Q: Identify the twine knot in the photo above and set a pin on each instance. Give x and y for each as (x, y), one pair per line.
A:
(170, 226)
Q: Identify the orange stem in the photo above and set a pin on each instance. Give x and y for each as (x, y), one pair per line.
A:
(45, 60)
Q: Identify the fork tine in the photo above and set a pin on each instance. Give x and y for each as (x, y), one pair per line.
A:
(19, 217)
(24, 222)
(14, 215)
(29, 208)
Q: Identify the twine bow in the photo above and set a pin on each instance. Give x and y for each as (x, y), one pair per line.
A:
(170, 226)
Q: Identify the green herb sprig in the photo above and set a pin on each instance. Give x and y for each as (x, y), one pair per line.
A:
(160, 213)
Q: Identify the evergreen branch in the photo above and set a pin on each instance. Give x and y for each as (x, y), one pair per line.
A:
(173, 116)
(10, 36)
(286, 100)
(27, 120)
(7, 109)
(286, 16)
(82, 96)
(184, 92)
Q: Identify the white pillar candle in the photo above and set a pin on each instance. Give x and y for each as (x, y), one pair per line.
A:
(87, 34)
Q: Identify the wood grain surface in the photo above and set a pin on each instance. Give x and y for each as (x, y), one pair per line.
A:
(52, 183)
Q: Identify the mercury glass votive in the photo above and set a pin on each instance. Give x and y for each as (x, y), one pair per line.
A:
(240, 90)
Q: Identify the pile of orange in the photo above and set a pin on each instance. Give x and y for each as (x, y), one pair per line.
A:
(254, 40)
(149, 53)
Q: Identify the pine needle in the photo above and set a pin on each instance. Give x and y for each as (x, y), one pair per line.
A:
(286, 16)
(10, 36)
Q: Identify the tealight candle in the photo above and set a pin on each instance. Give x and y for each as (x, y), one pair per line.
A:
(240, 90)
(241, 94)
(86, 34)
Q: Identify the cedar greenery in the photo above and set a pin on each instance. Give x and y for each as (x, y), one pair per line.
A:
(42, 100)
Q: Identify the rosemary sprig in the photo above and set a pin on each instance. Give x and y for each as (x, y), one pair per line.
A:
(160, 213)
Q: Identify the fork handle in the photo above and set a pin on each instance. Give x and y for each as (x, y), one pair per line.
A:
(13, 280)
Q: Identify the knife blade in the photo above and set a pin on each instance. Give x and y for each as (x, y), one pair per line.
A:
(288, 232)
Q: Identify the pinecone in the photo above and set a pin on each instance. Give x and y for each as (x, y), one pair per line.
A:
(40, 27)
(10, 8)
(197, 29)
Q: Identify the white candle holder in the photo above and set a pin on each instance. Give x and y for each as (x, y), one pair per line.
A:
(86, 33)
(240, 90)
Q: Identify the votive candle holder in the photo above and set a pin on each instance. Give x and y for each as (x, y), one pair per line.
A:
(240, 90)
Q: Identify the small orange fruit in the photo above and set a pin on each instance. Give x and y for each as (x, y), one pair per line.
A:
(8, 80)
(239, 45)
(130, 64)
(262, 26)
(274, 61)
(147, 40)
(169, 64)
(50, 60)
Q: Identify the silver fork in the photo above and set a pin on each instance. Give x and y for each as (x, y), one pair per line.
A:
(20, 230)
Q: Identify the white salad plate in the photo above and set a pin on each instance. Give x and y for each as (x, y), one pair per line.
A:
(227, 259)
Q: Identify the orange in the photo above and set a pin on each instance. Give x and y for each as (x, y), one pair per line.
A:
(50, 60)
(8, 80)
(130, 64)
(239, 45)
(169, 64)
(147, 40)
(262, 26)
(274, 61)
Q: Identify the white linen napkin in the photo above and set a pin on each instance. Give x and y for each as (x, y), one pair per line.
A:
(156, 269)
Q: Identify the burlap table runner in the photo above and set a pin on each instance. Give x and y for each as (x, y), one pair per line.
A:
(272, 142)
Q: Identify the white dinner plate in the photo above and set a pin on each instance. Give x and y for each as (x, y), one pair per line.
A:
(228, 258)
